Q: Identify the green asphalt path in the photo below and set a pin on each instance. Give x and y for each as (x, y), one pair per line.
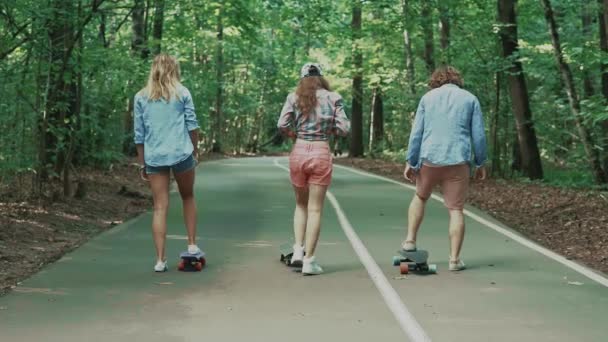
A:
(105, 290)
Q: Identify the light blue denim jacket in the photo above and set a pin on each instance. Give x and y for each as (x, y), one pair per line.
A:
(448, 121)
(163, 127)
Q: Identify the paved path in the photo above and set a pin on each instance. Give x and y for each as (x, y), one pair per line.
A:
(105, 290)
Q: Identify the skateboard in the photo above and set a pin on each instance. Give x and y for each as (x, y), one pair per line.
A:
(191, 262)
(415, 261)
(286, 251)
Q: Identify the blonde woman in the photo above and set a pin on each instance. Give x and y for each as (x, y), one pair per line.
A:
(310, 116)
(166, 136)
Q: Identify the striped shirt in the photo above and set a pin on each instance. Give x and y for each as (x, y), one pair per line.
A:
(328, 118)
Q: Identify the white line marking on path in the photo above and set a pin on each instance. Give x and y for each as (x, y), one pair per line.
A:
(522, 240)
(406, 320)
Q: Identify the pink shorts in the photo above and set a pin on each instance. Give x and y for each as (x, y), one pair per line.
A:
(454, 181)
(310, 164)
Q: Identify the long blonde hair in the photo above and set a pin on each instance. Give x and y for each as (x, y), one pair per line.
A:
(164, 78)
(306, 93)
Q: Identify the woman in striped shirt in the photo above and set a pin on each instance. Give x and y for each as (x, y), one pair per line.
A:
(310, 116)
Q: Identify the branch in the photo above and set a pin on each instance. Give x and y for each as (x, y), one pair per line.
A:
(4, 54)
(117, 27)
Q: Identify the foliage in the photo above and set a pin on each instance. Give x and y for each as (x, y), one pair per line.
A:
(264, 44)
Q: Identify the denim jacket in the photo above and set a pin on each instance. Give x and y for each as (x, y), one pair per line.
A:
(448, 129)
(163, 127)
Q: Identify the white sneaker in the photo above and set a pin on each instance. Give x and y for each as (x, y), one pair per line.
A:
(457, 265)
(311, 267)
(193, 249)
(161, 266)
(409, 246)
(298, 254)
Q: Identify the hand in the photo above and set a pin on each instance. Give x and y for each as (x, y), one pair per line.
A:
(143, 174)
(409, 173)
(481, 173)
(195, 156)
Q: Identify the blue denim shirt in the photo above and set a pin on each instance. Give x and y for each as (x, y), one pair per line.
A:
(163, 127)
(448, 121)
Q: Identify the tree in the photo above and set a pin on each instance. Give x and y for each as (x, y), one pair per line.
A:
(526, 135)
(587, 21)
(217, 120)
(157, 28)
(570, 88)
(603, 23)
(139, 38)
(356, 143)
(376, 124)
(427, 28)
(444, 29)
(407, 49)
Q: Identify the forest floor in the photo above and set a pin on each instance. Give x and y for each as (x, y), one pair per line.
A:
(571, 222)
(37, 231)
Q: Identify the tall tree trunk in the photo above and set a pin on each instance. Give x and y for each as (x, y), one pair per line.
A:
(407, 51)
(588, 36)
(494, 126)
(60, 91)
(592, 154)
(139, 39)
(444, 30)
(217, 122)
(376, 124)
(603, 22)
(427, 28)
(157, 27)
(526, 136)
(356, 142)
(139, 49)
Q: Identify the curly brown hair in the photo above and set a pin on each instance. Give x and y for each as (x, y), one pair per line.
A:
(306, 93)
(444, 75)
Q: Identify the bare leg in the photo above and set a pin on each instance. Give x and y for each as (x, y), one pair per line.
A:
(159, 183)
(185, 184)
(315, 209)
(300, 215)
(414, 217)
(456, 233)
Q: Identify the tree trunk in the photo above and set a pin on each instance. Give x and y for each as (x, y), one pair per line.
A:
(58, 121)
(139, 39)
(592, 154)
(444, 30)
(376, 124)
(409, 62)
(603, 22)
(526, 136)
(157, 27)
(356, 143)
(494, 126)
(217, 122)
(588, 36)
(427, 28)
(139, 49)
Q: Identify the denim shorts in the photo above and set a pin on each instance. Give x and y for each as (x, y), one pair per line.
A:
(180, 167)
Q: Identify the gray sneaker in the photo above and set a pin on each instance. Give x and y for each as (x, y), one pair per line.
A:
(311, 267)
(457, 265)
